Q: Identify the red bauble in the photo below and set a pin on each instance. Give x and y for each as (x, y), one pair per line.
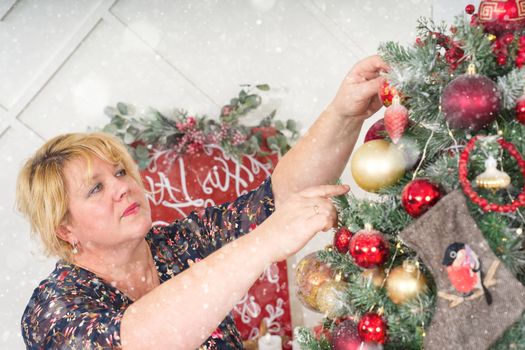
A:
(520, 110)
(418, 196)
(372, 328)
(396, 120)
(387, 93)
(342, 239)
(469, 9)
(498, 16)
(369, 248)
(376, 132)
(346, 337)
(470, 101)
(501, 59)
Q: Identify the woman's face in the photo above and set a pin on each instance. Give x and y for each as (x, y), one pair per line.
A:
(107, 210)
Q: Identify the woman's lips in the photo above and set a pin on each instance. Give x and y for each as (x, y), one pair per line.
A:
(132, 209)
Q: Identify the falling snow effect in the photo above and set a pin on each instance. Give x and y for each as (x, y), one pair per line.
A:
(62, 63)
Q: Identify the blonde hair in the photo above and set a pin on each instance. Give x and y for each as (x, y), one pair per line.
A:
(41, 193)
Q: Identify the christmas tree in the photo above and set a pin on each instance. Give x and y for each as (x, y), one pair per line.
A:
(437, 261)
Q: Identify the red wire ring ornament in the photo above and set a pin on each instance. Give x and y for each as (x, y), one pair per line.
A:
(484, 204)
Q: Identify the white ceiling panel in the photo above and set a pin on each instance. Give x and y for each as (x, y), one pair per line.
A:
(31, 33)
(23, 264)
(111, 65)
(219, 45)
(369, 22)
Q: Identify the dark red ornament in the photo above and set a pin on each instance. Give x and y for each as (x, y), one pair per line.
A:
(418, 196)
(470, 101)
(474, 20)
(501, 59)
(372, 328)
(520, 61)
(469, 9)
(377, 131)
(520, 110)
(369, 248)
(346, 337)
(498, 16)
(342, 239)
(454, 54)
(507, 38)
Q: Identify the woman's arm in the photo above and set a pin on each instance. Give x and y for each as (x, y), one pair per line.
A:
(322, 153)
(182, 312)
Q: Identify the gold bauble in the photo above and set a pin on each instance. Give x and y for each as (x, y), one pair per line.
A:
(310, 274)
(330, 298)
(375, 276)
(405, 282)
(377, 164)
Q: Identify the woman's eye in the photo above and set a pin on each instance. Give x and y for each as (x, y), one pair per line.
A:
(96, 189)
(121, 172)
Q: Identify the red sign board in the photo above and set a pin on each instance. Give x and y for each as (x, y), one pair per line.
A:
(180, 185)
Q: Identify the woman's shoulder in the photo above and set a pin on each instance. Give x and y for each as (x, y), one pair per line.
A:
(69, 297)
(67, 285)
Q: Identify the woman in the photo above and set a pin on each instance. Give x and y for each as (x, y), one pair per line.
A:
(122, 284)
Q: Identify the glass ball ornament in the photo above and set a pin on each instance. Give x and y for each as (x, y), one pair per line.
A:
(372, 328)
(310, 274)
(342, 239)
(345, 336)
(470, 101)
(499, 16)
(330, 298)
(374, 276)
(520, 110)
(420, 195)
(369, 248)
(377, 164)
(405, 282)
(377, 131)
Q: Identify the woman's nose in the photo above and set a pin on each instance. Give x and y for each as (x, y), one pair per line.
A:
(121, 189)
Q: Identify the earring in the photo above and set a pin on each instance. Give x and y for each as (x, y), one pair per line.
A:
(74, 250)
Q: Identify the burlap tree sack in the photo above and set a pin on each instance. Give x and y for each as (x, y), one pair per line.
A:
(478, 297)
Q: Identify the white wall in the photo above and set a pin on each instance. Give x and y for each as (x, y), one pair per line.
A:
(63, 61)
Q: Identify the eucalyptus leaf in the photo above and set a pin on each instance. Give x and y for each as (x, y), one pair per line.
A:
(110, 111)
(110, 129)
(263, 87)
(242, 96)
(141, 151)
(291, 125)
(122, 108)
(279, 125)
(129, 138)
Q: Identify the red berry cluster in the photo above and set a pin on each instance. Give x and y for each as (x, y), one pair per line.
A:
(500, 48)
(520, 55)
(454, 55)
(474, 197)
(193, 139)
(453, 52)
(238, 138)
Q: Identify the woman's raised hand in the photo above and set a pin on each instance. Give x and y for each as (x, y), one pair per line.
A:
(299, 218)
(357, 96)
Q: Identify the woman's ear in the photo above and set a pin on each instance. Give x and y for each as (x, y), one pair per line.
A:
(65, 233)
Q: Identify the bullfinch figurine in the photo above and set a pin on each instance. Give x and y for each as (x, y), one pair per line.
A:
(464, 270)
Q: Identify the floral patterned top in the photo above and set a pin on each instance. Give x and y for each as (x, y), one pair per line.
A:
(73, 309)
